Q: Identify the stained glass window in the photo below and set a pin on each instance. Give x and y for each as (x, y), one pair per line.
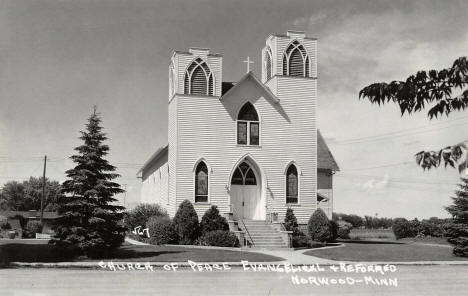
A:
(201, 183)
(291, 185)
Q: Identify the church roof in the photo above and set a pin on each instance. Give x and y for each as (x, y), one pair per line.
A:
(249, 76)
(325, 159)
(156, 155)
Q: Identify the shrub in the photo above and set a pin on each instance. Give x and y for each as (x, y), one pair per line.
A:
(32, 227)
(186, 223)
(161, 231)
(300, 241)
(4, 225)
(212, 221)
(344, 229)
(290, 222)
(141, 214)
(319, 227)
(219, 238)
(333, 230)
(403, 228)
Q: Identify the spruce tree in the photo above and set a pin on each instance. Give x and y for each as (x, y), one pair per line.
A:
(290, 222)
(90, 222)
(457, 232)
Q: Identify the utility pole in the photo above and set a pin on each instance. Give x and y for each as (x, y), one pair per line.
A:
(43, 188)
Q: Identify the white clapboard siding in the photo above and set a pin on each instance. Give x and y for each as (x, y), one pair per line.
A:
(207, 129)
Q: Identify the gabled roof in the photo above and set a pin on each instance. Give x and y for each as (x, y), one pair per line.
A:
(156, 155)
(250, 76)
(325, 159)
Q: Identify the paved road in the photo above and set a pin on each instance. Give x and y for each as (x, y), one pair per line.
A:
(412, 280)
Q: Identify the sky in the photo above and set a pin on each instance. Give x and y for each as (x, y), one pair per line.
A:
(60, 58)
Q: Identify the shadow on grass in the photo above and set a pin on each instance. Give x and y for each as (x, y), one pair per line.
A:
(18, 252)
(373, 242)
(133, 254)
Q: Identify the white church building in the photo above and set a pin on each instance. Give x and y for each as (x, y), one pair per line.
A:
(252, 148)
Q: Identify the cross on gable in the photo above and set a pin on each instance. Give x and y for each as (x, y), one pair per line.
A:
(248, 62)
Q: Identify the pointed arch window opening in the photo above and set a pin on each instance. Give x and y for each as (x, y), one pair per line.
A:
(248, 126)
(296, 62)
(199, 79)
(268, 64)
(292, 185)
(201, 183)
(244, 175)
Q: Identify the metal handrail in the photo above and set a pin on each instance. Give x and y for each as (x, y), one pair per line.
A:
(245, 227)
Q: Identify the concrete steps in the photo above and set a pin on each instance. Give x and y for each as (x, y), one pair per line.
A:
(263, 234)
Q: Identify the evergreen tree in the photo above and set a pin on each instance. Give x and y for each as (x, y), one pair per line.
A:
(457, 232)
(90, 221)
(212, 221)
(319, 227)
(186, 223)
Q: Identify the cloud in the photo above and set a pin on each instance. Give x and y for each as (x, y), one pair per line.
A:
(376, 185)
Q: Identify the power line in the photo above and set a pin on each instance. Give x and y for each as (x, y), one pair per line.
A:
(397, 134)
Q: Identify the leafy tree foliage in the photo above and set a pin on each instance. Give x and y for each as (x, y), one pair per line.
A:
(319, 227)
(141, 214)
(212, 221)
(186, 223)
(443, 91)
(26, 196)
(90, 221)
(457, 231)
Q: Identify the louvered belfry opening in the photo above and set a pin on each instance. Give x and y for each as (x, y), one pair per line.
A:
(268, 65)
(296, 61)
(199, 79)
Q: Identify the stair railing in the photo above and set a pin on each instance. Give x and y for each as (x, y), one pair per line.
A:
(245, 227)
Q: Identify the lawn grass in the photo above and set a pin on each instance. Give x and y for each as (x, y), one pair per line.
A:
(387, 252)
(40, 251)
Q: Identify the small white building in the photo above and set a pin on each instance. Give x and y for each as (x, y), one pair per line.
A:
(252, 148)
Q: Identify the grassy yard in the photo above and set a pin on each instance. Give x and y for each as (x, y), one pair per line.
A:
(40, 251)
(387, 251)
(371, 234)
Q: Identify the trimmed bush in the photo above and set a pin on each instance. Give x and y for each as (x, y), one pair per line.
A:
(161, 231)
(333, 230)
(290, 222)
(186, 223)
(344, 229)
(300, 241)
(212, 221)
(32, 227)
(141, 214)
(403, 228)
(219, 238)
(4, 225)
(319, 227)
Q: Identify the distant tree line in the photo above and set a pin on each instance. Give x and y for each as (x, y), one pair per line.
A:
(26, 195)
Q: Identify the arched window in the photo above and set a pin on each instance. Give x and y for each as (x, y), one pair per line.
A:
(248, 126)
(292, 185)
(268, 65)
(201, 182)
(244, 175)
(198, 79)
(296, 61)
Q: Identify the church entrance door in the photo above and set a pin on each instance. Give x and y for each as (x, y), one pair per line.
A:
(245, 193)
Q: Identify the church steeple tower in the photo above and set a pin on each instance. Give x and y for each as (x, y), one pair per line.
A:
(196, 72)
(293, 55)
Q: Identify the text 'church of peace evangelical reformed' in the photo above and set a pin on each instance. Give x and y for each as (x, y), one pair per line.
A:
(252, 148)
